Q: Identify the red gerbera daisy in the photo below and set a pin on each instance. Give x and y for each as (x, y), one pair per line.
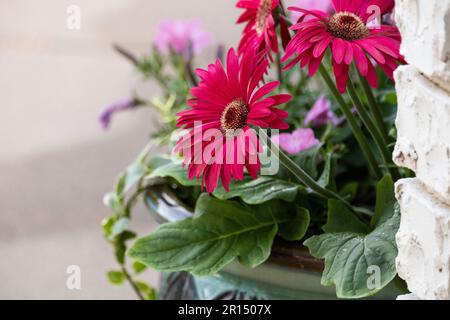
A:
(225, 103)
(347, 33)
(259, 33)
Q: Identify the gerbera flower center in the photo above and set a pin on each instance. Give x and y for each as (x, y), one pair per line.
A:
(264, 10)
(347, 26)
(234, 116)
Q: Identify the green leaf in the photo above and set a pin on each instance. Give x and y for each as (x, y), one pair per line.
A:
(390, 97)
(326, 177)
(107, 225)
(349, 191)
(120, 186)
(385, 201)
(133, 174)
(219, 232)
(119, 227)
(350, 253)
(307, 160)
(120, 246)
(116, 277)
(259, 191)
(148, 292)
(341, 219)
(139, 267)
(112, 201)
(164, 167)
(295, 229)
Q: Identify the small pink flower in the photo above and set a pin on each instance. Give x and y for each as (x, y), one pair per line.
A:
(297, 141)
(321, 113)
(183, 37)
(322, 5)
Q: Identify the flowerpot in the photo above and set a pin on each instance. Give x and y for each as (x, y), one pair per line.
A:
(290, 272)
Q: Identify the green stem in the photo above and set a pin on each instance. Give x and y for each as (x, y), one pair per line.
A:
(299, 173)
(371, 127)
(279, 68)
(190, 73)
(357, 131)
(132, 283)
(374, 108)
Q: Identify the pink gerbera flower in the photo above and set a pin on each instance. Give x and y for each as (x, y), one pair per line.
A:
(350, 36)
(225, 104)
(259, 33)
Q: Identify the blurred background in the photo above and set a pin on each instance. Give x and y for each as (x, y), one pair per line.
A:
(56, 162)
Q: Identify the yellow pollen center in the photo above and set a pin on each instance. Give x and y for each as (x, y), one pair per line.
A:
(264, 10)
(347, 26)
(234, 116)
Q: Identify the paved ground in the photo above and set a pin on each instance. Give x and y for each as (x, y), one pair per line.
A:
(55, 162)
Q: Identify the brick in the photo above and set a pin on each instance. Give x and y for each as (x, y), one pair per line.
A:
(423, 129)
(425, 26)
(423, 241)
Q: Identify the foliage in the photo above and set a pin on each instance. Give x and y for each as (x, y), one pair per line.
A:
(353, 233)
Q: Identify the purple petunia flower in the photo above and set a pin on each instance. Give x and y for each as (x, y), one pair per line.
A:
(183, 37)
(107, 113)
(320, 114)
(297, 141)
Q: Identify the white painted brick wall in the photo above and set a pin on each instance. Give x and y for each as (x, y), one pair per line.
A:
(423, 125)
(425, 26)
(424, 241)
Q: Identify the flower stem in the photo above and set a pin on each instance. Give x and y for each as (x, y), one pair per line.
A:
(190, 73)
(299, 173)
(371, 127)
(374, 108)
(127, 54)
(357, 131)
(132, 283)
(279, 68)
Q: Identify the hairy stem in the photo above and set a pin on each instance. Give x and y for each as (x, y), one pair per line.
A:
(279, 68)
(132, 283)
(372, 128)
(299, 173)
(375, 109)
(357, 131)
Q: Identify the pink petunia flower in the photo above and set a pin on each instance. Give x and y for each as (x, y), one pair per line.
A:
(225, 104)
(183, 37)
(297, 141)
(322, 5)
(321, 113)
(347, 34)
(259, 33)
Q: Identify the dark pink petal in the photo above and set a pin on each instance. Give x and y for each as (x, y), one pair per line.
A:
(338, 49)
(360, 60)
(321, 47)
(264, 90)
(348, 57)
